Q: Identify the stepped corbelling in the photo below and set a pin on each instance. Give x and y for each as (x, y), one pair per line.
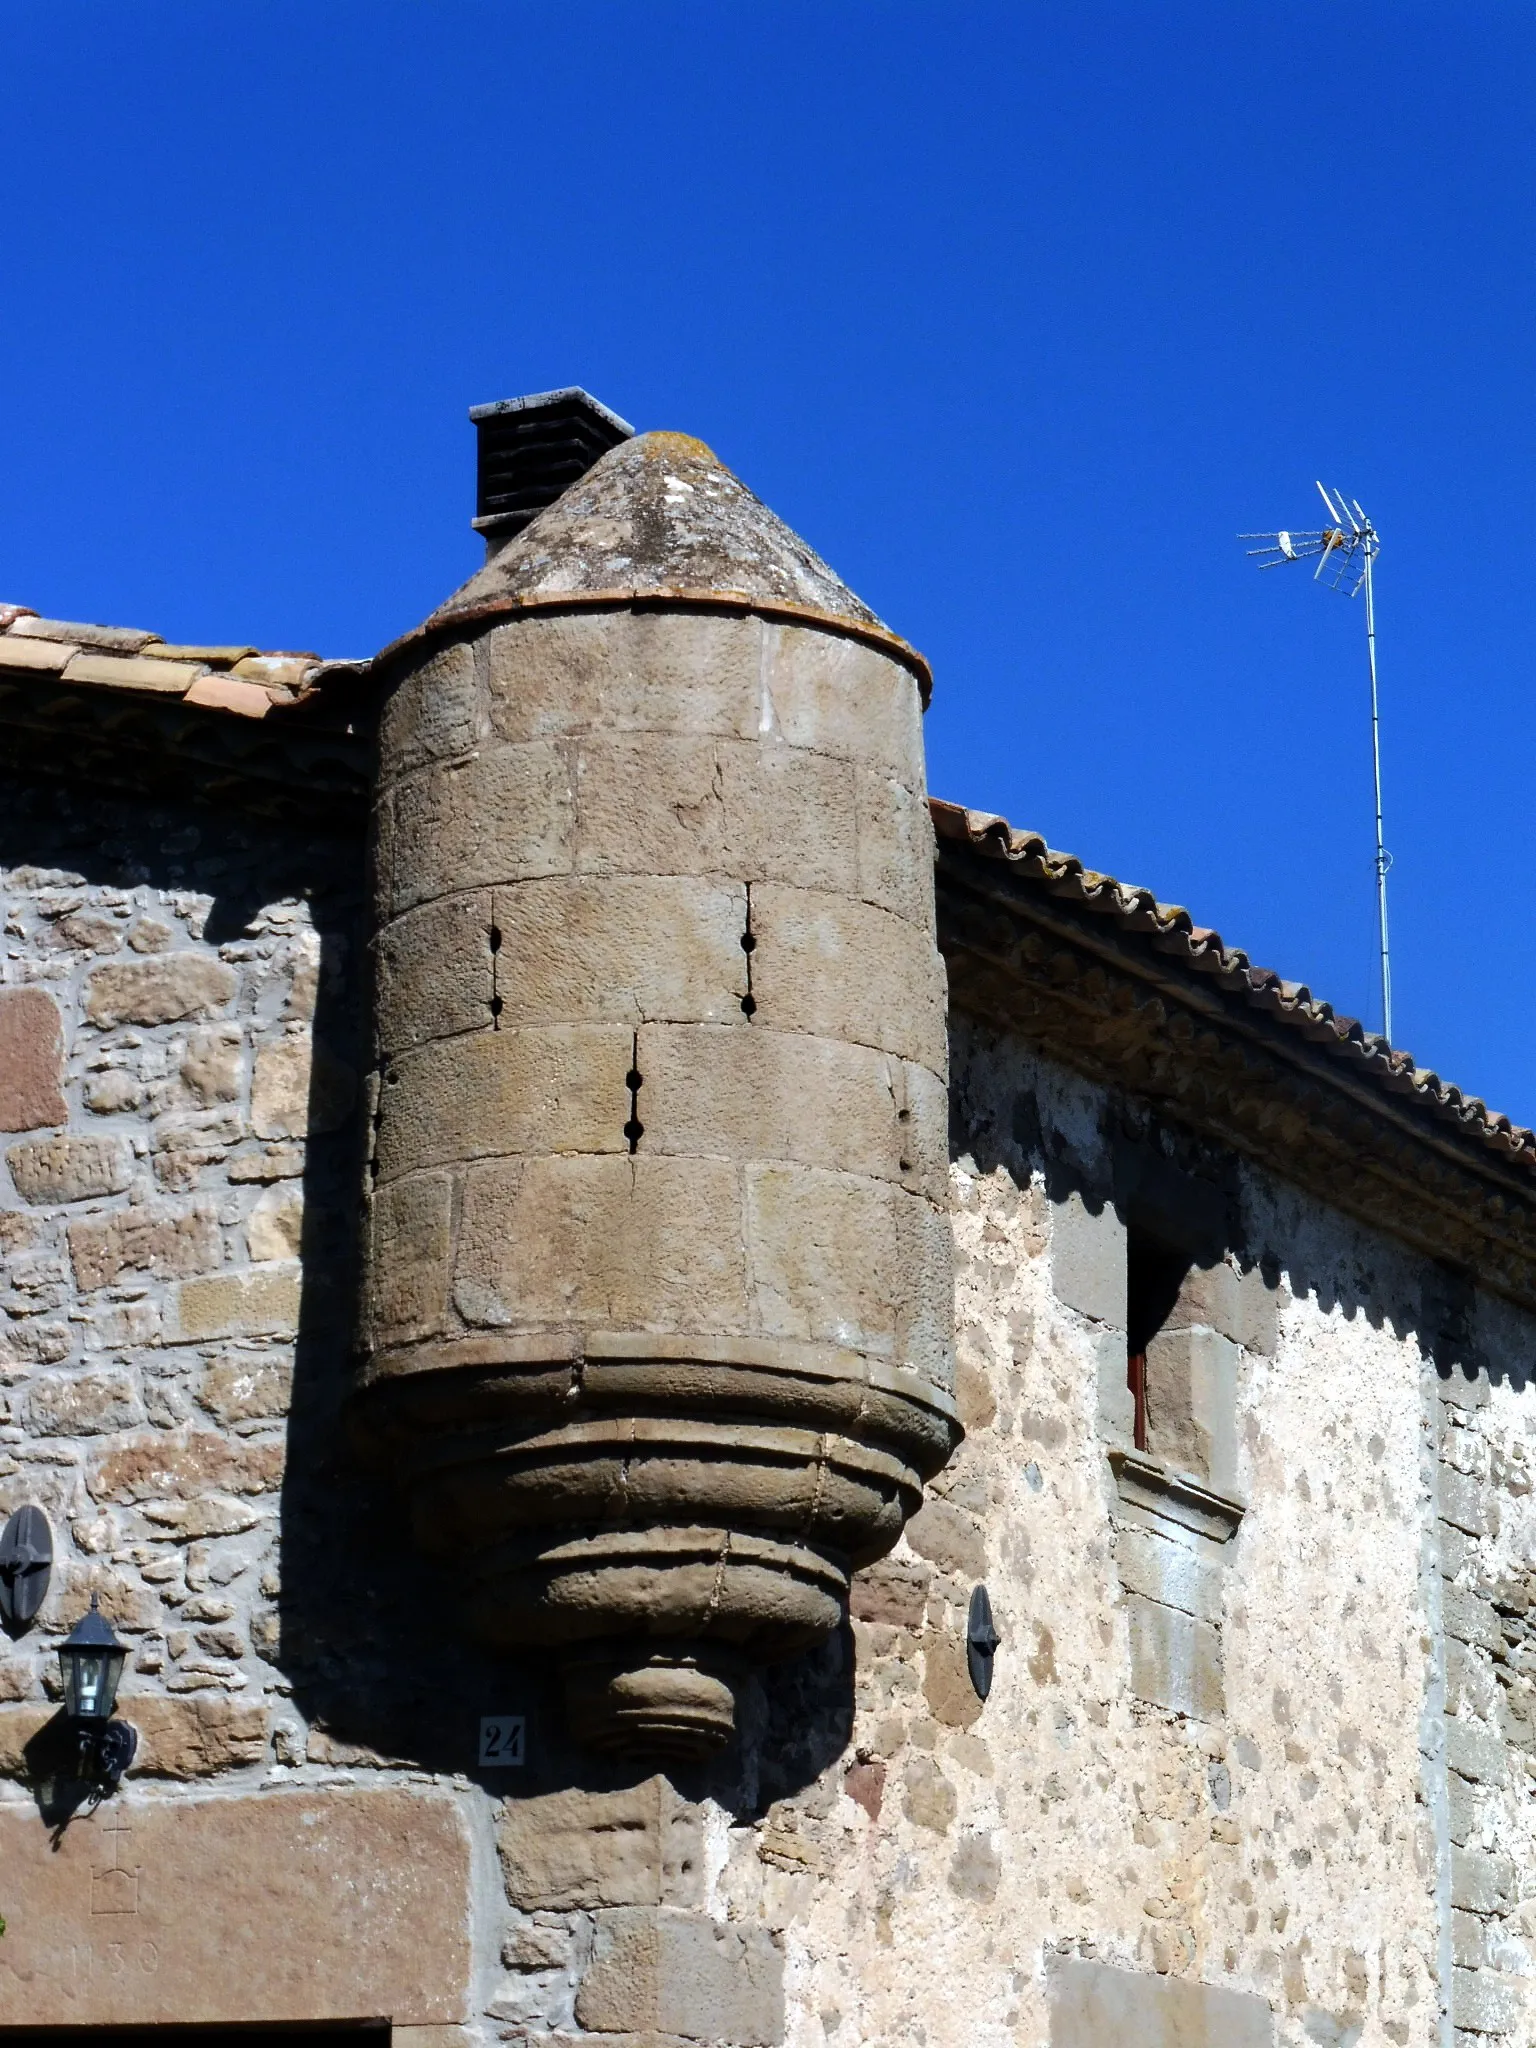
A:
(659, 1299)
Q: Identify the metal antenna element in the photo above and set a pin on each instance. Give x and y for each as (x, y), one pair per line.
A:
(1345, 551)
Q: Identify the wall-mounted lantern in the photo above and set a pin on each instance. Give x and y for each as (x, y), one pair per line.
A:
(91, 1660)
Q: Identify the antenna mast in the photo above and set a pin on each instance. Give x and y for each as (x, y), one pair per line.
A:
(1346, 550)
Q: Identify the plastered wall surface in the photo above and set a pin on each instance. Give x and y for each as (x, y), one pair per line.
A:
(1281, 1847)
(1333, 1830)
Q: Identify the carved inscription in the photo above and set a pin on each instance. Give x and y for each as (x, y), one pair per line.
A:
(115, 1884)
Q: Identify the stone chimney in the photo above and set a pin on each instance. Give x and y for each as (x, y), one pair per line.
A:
(659, 1274)
(531, 449)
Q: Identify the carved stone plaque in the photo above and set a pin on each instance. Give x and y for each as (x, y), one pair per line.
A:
(272, 1906)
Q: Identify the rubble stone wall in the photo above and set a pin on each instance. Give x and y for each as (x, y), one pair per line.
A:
(178, 1167)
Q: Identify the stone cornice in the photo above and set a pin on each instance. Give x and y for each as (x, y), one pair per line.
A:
(1121, 1007)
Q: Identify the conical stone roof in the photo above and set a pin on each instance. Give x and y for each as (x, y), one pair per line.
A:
(660, 517)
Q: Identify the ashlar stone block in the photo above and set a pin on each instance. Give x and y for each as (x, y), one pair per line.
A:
(1192, 1404)
(683, 1974)
(31, 1060)
(1171, 1573)
(163, 989)
(1481, 1883)
(824, 1259)
(1476, 1753)
(259, 1301)
(787, 1096)
(1238, 1305)
(497, 817)
(70, 1167)
(843, 969)
(627, 1243)
(895, 847)
(1465, 1502)
(1484, 2002)
(621, 671)
(552, 1088)
(434, 714)
(839, 696)
(1175, 1659)
(437, 972)
(633, 949)
(268, 1907)
(1088, 1260)
(410, 1272)
(1095, 2005)
(751, 809)
(641, 1846)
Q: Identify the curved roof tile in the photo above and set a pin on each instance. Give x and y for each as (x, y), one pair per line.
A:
(1203, 951)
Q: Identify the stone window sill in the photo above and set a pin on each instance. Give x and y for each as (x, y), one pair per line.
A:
(1152, 1490)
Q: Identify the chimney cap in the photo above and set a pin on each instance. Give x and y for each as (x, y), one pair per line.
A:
(569, 396)
(531, 450)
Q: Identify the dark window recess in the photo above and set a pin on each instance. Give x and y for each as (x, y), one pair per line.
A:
(1154, 1274)
(533, 449)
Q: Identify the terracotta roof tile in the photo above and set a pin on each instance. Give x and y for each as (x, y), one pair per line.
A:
(106, 639)
(41, 656)
(1203, 951)
(227, 677)
(210, 657)
(132, 672)
(285, 671)
(228, 693)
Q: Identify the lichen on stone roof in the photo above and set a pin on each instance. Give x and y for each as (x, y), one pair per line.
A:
(661, 517)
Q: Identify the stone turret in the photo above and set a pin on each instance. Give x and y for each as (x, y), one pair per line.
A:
(658, 1306)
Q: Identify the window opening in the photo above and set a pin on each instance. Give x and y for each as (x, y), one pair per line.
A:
(1154, 1274)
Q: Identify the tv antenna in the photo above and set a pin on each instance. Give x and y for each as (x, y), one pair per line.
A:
(1345, 550)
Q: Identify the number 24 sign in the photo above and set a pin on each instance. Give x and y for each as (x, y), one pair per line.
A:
(503, 1739)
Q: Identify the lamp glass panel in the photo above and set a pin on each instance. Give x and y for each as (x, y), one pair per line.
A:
(90, 1681)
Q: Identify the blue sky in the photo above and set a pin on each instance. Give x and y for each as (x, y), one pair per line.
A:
(1020, 314)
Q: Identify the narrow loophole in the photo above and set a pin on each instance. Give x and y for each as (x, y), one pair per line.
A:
(749, 947)
(497, 1006)
(634, 1081)
(495, 938)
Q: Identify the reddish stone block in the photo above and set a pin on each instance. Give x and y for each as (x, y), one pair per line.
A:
(31, 1060)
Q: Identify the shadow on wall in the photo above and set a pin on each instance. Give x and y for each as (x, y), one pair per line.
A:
(364, 1630)
(1147, 1169)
